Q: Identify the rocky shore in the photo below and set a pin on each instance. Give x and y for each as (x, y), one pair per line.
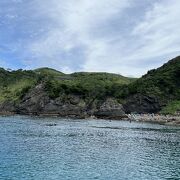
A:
(37, 103)
(155, 118)
(173, 120)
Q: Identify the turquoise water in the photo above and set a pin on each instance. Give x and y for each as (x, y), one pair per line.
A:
(52, 148)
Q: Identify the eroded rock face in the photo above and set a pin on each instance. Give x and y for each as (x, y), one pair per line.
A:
(110, 109)
(37, 102)
(69, 105)
(7, 107)
(142, 104)
(34, 101)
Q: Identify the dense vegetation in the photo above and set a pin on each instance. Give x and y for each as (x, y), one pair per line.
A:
(163, 83)
(86, 85)
(171, 108)
(14, 84)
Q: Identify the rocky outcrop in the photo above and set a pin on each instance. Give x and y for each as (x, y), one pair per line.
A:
(110, 109)
(142, 104)
(7, 107)
(34, 101)
(66, 105)
(37, 102)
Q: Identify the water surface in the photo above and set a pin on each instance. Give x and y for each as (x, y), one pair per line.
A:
(53, 148)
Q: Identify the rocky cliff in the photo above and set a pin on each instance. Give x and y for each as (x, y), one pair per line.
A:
(49, 92)
(37, 102)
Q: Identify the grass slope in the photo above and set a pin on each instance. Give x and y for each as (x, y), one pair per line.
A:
(15, 84)
(87, 85)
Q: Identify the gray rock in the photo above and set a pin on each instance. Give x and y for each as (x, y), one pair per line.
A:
(34, 101)
(7, 107)
(110, 109)
(38, 102)
(142, 104)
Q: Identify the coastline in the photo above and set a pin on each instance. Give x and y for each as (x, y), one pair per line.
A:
(173, 120)
(155, 118)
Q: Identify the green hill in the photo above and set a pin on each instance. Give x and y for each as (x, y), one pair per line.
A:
(162, 84)
(87, 85)
(157, 91)
(14, 84)
(48, 71)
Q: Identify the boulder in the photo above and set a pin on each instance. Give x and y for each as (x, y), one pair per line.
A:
(110, 109)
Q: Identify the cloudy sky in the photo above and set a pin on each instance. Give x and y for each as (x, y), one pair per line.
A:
(127, 37)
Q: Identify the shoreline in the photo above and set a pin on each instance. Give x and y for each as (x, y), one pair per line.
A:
(155, 118)
(147, 118)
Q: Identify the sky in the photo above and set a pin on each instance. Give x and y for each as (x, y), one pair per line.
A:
(128, 37)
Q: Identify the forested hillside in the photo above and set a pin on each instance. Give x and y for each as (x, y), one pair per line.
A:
(157, 91)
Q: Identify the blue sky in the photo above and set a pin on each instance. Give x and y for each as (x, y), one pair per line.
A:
(127, 37)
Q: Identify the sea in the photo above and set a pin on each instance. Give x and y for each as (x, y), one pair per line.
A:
(33, 148)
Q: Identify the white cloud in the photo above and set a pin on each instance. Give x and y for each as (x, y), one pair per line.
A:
(160, 30)
(156, 39)
(74, 24)
(124, 36)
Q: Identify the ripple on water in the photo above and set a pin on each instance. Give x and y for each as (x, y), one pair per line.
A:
(50, 148)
